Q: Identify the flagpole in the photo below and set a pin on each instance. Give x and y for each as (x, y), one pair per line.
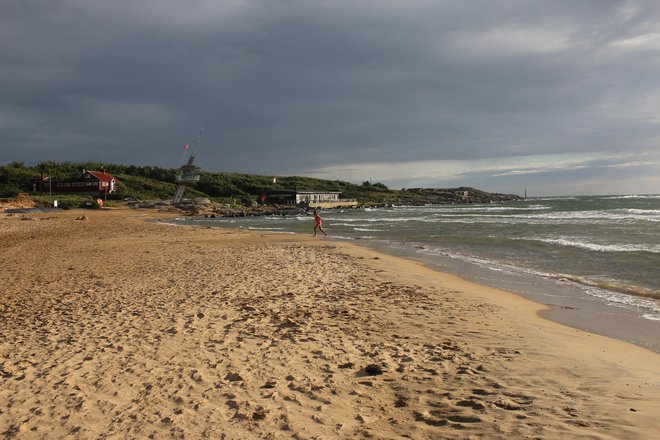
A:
(199, 136)
(186, 148)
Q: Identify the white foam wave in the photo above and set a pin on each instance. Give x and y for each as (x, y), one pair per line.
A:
(589, 217)
(622, 299)
(635, 196)
(609, 216)
(503, 214)
(381, 219)
(352, 225)
(484, 208)
(367, 230)
(651, 317)
(591, 287)
(639, 211)
(572, 242)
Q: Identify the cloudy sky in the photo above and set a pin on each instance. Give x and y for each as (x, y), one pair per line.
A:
(553, 96)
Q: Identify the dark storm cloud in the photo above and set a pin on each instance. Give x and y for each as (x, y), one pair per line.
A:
(285, 86)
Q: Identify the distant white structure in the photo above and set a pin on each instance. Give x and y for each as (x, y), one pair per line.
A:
(311, 198)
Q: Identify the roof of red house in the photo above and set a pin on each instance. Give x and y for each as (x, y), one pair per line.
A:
(103, 176)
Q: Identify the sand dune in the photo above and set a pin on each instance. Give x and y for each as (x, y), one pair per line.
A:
(116, 328)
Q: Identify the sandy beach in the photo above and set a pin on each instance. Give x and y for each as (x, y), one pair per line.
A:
(113, 327)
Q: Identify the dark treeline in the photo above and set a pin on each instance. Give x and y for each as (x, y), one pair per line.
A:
(148, 182)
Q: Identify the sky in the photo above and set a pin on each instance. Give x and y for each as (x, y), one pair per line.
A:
(556, 97)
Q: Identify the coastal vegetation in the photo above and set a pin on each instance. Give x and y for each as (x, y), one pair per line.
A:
(139, 183)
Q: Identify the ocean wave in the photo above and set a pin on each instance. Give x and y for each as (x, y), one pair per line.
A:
(595, 217)
(508, 215)
(634, 196)
(614, 214)
(606, 287)
(367, 230)
(610, 216)
(639, 211)
(567, 241)
(528, 220)
(486, 208)
(352, 225)
(381, 219)
(616, 293)
(345, 221)
(651, 317)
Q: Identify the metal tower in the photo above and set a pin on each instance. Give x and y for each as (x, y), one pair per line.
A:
(188, 173)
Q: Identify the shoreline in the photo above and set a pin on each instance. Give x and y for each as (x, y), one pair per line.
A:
(566, 303)
(205, 332)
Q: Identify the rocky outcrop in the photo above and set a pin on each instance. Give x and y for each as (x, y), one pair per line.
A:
(443, 196)
(204, 207)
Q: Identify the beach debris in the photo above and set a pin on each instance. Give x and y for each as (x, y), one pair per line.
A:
(239, 416)
(363, 418)
(269, 384)
(259, 413)
(346, 365)
(289, 323)
(196, 376)
(373, 370)
(200, 315)
(234, 377)
(401, 402)
(82, 217)
(12, 431)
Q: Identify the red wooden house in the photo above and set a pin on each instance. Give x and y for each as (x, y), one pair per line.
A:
(100, 183)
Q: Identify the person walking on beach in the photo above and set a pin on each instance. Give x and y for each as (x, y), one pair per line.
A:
(318, 223)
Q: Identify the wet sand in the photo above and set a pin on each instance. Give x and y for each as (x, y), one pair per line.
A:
(113, 327)
(566, 303)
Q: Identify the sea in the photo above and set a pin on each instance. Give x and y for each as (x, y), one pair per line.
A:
(593, 260)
